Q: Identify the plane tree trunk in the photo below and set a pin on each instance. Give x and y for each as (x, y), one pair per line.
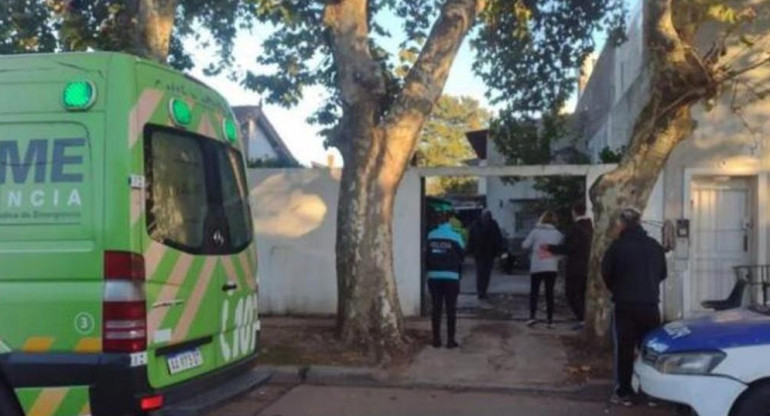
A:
(680, 79)
(377, 142)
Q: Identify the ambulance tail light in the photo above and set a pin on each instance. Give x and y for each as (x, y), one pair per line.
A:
(124, 312)
(150, 403)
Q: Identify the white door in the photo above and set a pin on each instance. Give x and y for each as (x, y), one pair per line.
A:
(720, 236)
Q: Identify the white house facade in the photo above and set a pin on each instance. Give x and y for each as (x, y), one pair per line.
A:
(715, 184)
(511, 203)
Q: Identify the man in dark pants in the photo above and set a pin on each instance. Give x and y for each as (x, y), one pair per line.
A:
(444, 264)
(486, 243)
(633, 268)
(577, 248)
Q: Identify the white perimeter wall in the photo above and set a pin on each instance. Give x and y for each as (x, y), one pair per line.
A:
(294, 213)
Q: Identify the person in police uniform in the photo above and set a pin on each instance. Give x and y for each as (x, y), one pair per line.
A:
(446, 251)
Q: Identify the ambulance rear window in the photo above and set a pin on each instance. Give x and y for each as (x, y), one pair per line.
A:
(197, 198)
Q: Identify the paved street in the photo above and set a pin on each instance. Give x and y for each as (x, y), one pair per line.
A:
(307, 400)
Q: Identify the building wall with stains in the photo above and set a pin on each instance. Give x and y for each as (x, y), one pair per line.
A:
(295, 217)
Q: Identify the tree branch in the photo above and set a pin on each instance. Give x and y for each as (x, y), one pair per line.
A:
(756, 93)
(359, 75)
(690, 96)
(730, 75)
(678, 69)
(155, 24)
(426, 79)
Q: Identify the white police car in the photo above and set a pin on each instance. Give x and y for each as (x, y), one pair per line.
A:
(718, 365)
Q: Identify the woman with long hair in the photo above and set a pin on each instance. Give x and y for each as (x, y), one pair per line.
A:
(544, 266)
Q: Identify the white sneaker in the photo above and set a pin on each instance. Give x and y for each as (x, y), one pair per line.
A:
(531, 323)
(618, 400)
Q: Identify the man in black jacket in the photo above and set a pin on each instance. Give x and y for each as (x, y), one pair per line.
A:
(486, 243)
(577, 248)
(633, 268)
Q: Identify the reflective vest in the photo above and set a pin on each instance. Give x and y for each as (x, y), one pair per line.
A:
(446, 251)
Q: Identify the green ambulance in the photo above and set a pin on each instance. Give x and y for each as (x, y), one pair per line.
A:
(127, 261)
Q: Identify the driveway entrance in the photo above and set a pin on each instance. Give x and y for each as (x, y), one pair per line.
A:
(508, 289)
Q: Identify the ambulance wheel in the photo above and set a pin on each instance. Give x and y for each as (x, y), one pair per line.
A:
(755, 402)
(8, 405)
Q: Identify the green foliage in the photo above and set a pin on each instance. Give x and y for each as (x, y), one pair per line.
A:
(78, 25)
(524, 140)
(443, 142)
(297, 51)
(561, 193)
(607, 155)
(451, 186)
(530, 142)
(529, 51)
(529, 54)
(21, 30)
(298, 56)
(722, 13)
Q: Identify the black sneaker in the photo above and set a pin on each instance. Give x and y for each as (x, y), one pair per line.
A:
(436, 343)
(621, 400)
(452, 344)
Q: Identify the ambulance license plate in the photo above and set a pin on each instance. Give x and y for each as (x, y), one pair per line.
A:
(184, 361)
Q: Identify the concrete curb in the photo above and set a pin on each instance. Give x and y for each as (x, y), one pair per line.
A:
(285, 374)
(211, 399)
(355, 376)
(593, 390)
(325, 375)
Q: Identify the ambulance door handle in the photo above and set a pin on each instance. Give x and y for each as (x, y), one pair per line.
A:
(229, 286)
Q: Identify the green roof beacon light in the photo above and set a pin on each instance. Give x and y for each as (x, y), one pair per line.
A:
(79, 95)
(230, 129)
(180, 112)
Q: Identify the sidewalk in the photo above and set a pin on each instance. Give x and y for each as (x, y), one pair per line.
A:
(498, 356)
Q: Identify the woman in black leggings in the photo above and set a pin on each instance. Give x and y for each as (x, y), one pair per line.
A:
(544, 265)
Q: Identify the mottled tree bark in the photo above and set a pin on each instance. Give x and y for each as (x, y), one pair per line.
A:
(154, 24)
(629, 185)
(376, 144)
(680, 79)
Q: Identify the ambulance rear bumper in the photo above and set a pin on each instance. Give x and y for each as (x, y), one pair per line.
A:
(115, 386)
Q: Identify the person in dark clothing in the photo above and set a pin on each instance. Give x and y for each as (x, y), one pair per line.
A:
(633, 268)
(444, 264)
(577, 248)
(486, 243)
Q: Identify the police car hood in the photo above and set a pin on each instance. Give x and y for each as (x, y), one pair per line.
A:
(715, 331)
